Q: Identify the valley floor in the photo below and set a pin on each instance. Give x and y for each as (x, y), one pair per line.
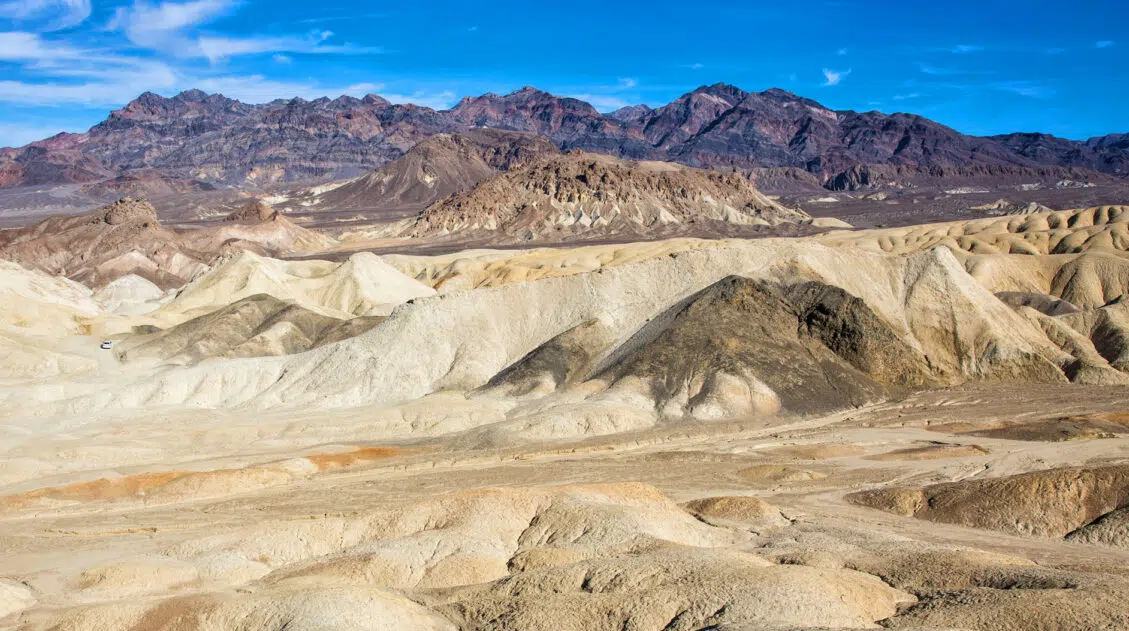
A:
(453, 530)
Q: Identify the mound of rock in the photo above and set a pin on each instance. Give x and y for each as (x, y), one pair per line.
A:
(436, 167)
(745, 347)
(1009, 207)
(1111, 529)
(255, 211)
(121, 238)
(739, 511)
(126, 238)
(1050, 503)
(579, 193)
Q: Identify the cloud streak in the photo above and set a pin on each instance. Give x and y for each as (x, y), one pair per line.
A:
(159, 26)
(56, 74)
(834, 77)
(163, 27)
(54, 15)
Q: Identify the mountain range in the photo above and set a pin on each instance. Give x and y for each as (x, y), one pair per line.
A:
(215, 140)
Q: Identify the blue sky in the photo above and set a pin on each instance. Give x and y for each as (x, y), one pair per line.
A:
(983, 66)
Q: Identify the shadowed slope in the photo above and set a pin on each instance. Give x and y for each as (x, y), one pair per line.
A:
(257, 326)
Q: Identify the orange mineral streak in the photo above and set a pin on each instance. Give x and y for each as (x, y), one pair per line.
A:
(163, 486)
(101, 489)
(344, 460)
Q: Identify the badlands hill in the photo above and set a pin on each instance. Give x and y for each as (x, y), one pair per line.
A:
(216, 140)
(127, 238)
(678, 335)
(435, 168)
(578, 193)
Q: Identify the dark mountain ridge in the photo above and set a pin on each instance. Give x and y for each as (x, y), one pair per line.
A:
(217, 140)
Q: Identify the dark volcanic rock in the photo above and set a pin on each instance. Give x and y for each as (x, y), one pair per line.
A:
(717, 352)
(818, 347)
(214, 139)
(1108, 154)
(571, 123)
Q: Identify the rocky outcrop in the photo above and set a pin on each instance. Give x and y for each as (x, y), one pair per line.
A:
(254, 211)
(126, 237)
(437, 167)
(590, 193)
(1050, 503)
(745, 347)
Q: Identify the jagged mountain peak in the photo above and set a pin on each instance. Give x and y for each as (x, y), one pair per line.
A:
(194, 95)
(221, 141)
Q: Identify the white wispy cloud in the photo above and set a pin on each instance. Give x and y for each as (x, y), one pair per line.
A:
(964, 49)
(842, 52)
(834, 77)
(216, 48)
(159, 26)
(1105, 43)
(903, 97)
(52, 15)
(693, 66)
(1032, 89)
(627, 83)
(351, 16)
(169, 27)
(165, 50)
(942, 71)
(22, 46)
(55, 94)
(55, 60)
(62, 74)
